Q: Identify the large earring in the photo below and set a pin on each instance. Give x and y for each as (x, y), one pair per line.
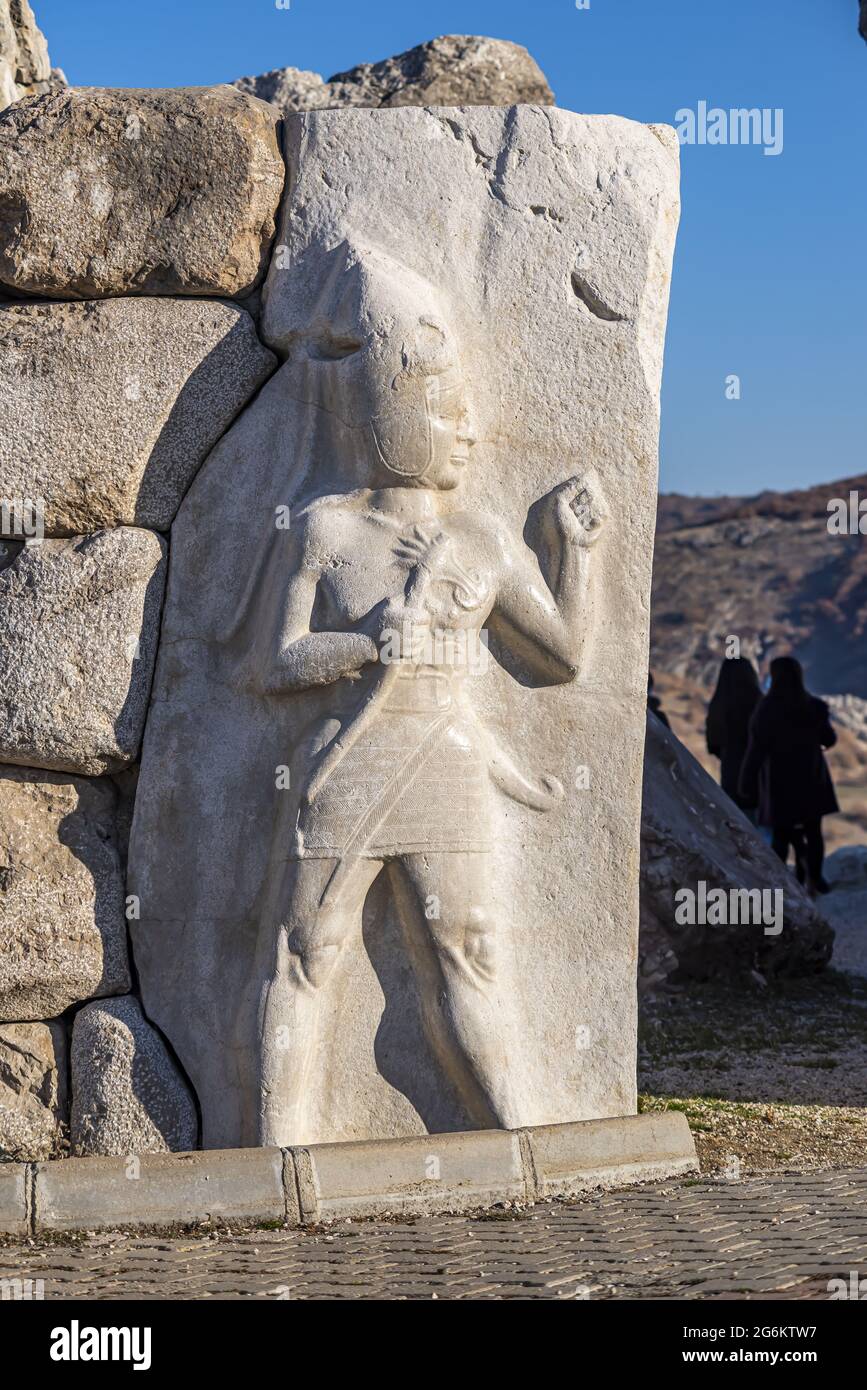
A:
(393, 465)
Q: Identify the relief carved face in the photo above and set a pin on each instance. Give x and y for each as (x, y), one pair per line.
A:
(388, 375)
(422, 436)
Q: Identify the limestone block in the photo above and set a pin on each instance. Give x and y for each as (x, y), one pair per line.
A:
(114, 191)
(62, 923)
(33, 1094)
(400, 892)
(79, 626)
(128, 1096)
(455, 70)
(111, 406)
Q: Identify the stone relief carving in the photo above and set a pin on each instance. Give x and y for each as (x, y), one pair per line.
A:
(323, 715)
(382, 605)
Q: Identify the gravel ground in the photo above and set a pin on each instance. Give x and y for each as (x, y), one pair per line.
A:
(773, 1080)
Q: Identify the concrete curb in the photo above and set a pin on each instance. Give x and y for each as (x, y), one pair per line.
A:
(326, 1182)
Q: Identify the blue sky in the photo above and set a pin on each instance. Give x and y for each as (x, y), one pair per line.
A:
(769, 281)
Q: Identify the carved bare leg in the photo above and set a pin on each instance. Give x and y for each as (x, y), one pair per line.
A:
(445, 905)
(302, 946)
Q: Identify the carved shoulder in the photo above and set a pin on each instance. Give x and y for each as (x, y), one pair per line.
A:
(489, 537)
(318, 527)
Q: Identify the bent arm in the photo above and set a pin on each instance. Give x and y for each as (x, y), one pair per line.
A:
(542, 605)
(318, 658)
(303, 658)
(543, 617)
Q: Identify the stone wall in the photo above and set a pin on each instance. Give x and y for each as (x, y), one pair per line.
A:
(127, 348)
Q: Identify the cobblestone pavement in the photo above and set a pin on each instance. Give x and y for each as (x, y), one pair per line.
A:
(779, 1237)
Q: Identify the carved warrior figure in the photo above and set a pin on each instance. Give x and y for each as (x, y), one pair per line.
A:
(390, 585)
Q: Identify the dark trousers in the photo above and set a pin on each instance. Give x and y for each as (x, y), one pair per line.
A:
(806, 840)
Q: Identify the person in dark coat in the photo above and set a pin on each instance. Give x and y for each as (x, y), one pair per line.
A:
(786, 769)
(728, 723)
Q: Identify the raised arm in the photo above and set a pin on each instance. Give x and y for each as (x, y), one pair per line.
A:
(541, 607)
(303, 658)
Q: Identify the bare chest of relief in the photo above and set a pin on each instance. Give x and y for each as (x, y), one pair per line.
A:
(371, 562)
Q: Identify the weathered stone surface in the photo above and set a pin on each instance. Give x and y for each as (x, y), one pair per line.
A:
(79, 627)
(516, 296)
(24, 64)
(111, 406)
(128, 1096)
(109, 192)
(846, 869)
(14, 1215)
(62, 923)
(692, 833)
(294, 89)
(33, 1092)
(456, 70)
(845, 907)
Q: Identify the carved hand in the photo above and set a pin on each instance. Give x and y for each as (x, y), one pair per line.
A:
(427, 548)
(578, 510)
(405, 632)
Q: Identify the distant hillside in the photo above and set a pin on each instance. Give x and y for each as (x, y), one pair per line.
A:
(676, 511)
(766, 570)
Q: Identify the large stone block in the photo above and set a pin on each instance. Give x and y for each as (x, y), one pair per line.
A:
(62, 923)
(455, 70)
(107, 192)
(34, 1106)
(693, 834)
(128, 1096)
(111, 406)
(79, 627)
(400, 891)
